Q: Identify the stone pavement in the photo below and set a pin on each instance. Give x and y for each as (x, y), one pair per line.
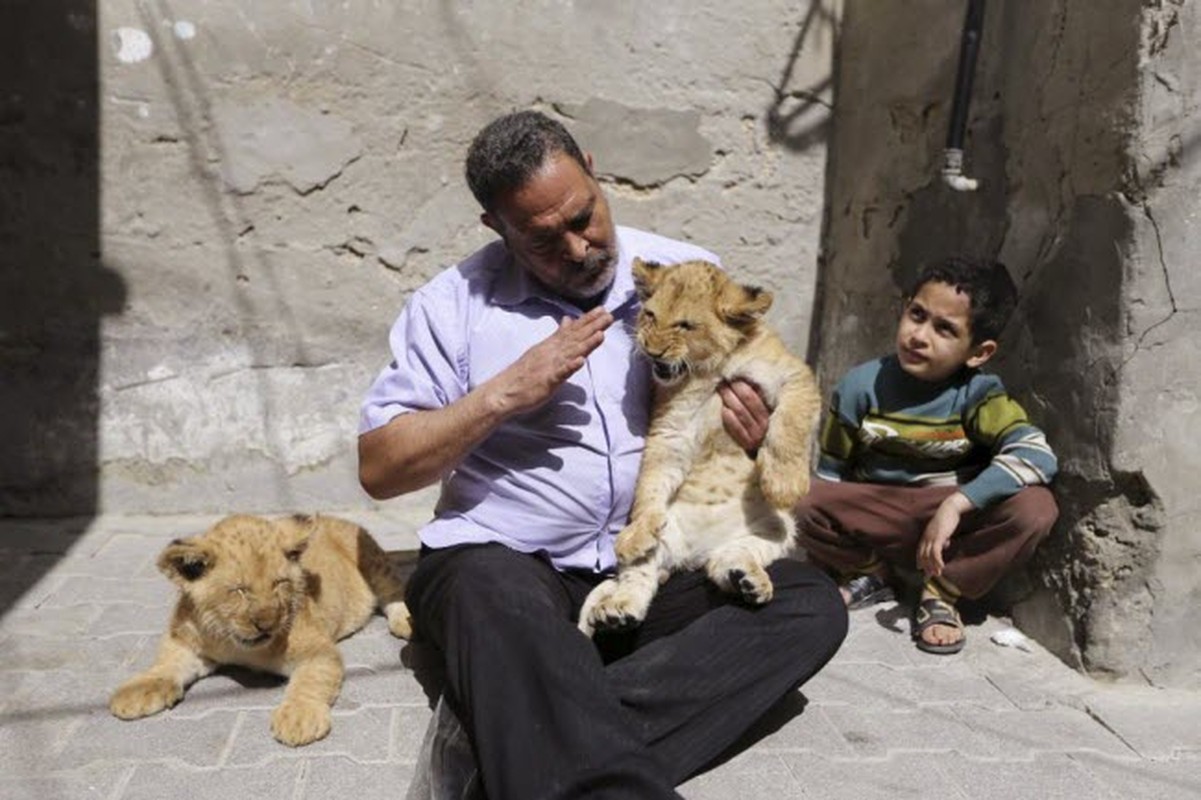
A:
(83, 607)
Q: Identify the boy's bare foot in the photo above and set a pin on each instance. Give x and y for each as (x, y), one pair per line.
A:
(936, 625)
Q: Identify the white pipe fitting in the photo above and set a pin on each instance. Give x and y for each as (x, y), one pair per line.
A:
(952, 171)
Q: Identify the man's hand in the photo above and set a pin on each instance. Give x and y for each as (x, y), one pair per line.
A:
(939, 530)
(532, 379)
(744, 414)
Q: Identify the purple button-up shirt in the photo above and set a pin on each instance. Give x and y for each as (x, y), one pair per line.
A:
(558, 479)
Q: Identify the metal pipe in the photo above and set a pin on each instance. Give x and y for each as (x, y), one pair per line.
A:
(969, 49)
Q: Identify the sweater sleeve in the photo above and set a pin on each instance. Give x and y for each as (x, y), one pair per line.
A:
(839, 440)
(1021, 456)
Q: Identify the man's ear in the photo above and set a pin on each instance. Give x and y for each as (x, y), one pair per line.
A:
(493, 223)
(185, 561)
(981, 353)
(646, 277)
(741, 305)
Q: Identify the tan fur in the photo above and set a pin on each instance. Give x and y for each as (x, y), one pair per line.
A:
(271, 595)
(701, 500)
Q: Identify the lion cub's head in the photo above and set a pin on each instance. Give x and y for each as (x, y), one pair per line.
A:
(693, 316)
(241, 579)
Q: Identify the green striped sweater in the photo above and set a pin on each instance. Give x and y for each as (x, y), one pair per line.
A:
(885, 426)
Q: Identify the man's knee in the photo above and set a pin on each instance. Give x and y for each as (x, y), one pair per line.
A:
(810, 597)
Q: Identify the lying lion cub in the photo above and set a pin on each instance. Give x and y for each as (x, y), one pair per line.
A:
(701, 500)
(272, 595)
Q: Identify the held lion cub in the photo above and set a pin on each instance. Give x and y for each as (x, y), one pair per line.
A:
(701, 500)
(272, 595)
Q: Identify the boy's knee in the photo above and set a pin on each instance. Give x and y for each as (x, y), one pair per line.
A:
(1034, 509)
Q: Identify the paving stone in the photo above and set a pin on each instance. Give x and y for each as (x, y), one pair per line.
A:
(394, 685)
(98, 781)
(29, 581)
(200, 742)
(229, 689)
(342, 777)
(1023, 734)
(1047, 777)
(1156, 723)
(71, 653)
(77, 589)
(63, 694)
(879, 634)
(874, 733)
(917, 775)
(1146, 780)
(118, 618)
(408, 731)
(54, 622)
(810, 730)
(363, 735)
(880, 685)
(275, 781)
(116, 555)
(31, 744)
(758, 775)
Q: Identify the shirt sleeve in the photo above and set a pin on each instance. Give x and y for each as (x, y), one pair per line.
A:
(1021, 456)
(426, 368)
(839, 440)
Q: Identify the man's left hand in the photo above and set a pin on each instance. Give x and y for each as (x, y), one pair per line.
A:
(744, 413)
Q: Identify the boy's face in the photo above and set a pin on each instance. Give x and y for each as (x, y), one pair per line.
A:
(934, 337)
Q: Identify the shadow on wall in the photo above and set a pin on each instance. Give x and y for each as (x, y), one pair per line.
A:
(799, 118)
(54, 290)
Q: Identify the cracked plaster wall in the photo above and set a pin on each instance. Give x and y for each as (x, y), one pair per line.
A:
(1084, 132)
(272, 179)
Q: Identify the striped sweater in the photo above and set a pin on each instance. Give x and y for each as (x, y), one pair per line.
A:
(885, 426)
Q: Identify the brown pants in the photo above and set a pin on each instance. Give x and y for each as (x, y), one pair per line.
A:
(846, 525)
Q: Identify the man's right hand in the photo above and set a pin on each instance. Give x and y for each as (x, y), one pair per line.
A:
(532, 379)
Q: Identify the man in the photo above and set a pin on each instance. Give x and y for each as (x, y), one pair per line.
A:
(513, 386)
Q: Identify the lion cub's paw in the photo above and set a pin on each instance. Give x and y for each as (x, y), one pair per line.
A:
(744, 578)
(614, 606)
(783, 482)
(638, 539)
(141, 697)
(400, 623)
(297, 723)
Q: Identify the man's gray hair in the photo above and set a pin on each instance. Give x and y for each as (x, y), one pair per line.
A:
(509, 150)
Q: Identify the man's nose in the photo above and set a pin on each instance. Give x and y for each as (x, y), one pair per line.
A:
(576, 247)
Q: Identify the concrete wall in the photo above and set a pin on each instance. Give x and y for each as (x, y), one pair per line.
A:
(260, 185)
(1084, 134)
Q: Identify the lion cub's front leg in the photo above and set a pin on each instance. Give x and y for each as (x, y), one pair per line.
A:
(640, 537)
(304, 715)
(175, 668)
(783, 459)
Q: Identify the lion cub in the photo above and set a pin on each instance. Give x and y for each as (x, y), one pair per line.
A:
(701, 500)
(272, 595)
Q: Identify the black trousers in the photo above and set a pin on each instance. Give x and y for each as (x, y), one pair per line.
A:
(552, 714)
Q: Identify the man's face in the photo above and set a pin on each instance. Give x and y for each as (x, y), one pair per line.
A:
(934, 337)
(558, 228)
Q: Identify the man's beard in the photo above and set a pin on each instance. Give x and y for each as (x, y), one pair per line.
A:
(591, 276)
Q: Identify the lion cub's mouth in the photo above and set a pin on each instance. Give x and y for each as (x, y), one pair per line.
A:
(667, 371)
(254, 641)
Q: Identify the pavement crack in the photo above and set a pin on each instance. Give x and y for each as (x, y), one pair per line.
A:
(1100, 721)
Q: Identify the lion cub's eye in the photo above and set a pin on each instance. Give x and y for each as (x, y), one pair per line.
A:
(650, 315)
(281, 581)
(686, 325)
(240, 591)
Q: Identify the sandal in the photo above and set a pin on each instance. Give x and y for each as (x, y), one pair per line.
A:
(936, 611)
(867, 590)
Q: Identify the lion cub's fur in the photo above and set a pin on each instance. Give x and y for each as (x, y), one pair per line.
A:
(272, 595)
(701, 500)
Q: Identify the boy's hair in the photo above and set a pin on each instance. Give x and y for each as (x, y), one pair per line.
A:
(987, 285)
(509, 150)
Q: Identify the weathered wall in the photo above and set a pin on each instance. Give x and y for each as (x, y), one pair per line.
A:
(1080, 134)
(273, 179)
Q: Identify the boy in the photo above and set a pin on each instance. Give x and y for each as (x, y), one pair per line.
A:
(927, 462)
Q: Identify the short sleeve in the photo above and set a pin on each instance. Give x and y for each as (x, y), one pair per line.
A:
(426, 368)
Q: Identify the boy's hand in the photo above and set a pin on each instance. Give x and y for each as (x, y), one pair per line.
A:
(744, 413)
(938, 533)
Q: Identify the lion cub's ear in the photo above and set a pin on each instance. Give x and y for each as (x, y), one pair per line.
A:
(294, 532)
(741, 306)
(185, 561)
(646, 277)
